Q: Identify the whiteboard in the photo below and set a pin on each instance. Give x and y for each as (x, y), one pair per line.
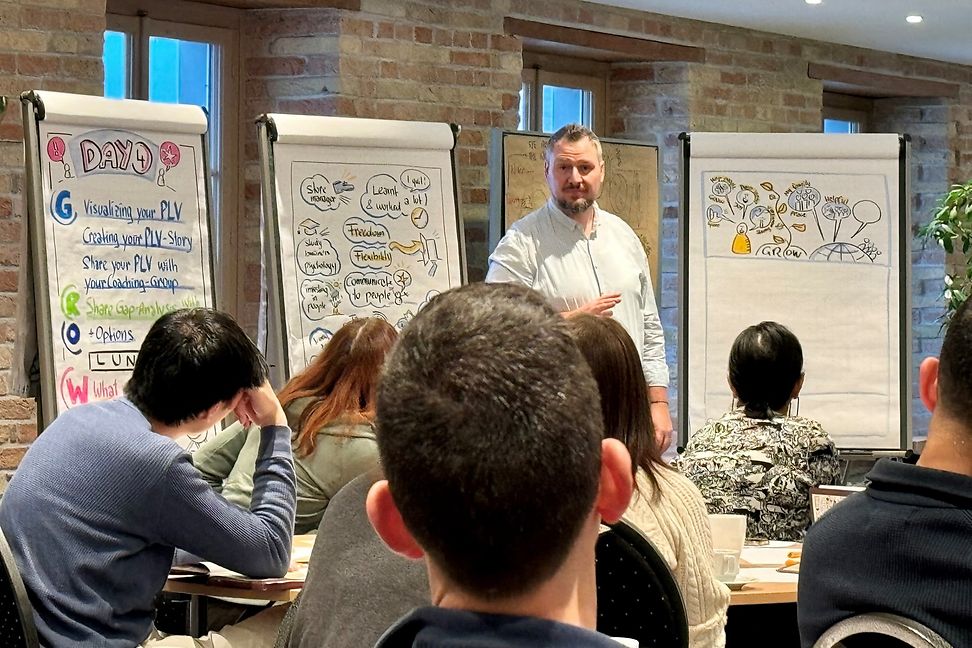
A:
(809, 230)
(630, 188)
(120, 233)
(362, 221)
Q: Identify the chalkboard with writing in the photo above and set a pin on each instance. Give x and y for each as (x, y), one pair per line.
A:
(630, 188)
(362, 222)
(117, 203)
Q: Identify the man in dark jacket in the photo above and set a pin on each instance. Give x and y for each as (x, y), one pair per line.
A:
(901, 546)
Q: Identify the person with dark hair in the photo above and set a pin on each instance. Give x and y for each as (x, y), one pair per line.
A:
(901, 545)
(757, 459)
(666, 506)
(584, 259)
(495, 472)
(330, 405)
(105, 495)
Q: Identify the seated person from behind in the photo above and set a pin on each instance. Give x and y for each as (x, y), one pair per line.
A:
(330, 405)
(363, 585)
(496, 472)
(757, 459)
(901, 546)
(666, 506)
(105, 495)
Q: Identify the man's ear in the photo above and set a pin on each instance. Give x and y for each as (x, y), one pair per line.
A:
(928, 383)
(388, 523)
(617, 484)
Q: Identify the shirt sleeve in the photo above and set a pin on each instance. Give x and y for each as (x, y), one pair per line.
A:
(257, 542)
(513, 260)
(216, 458)
(653, 349)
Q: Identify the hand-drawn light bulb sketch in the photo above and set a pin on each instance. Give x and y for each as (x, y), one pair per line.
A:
(334, 296)
(866, 212)
(714, 214)
(740, 242)
(721, 188)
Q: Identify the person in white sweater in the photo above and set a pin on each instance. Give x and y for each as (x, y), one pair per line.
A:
(666, 506)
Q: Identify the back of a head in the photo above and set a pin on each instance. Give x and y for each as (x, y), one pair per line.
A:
(955, 367)
(343, 378)
(765, 363)
(616, 365)
(487, 437)
(190, 360)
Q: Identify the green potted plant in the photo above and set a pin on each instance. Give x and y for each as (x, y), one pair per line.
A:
(951, 227)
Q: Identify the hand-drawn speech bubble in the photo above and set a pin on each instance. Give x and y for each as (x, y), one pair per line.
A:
(370, 289)
(381, 197)
(313, 299)
(415, 180)
(316, 256)
(318, 192)
(358, 230)
(371, 258)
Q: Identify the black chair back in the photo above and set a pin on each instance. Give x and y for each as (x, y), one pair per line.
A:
(637, 596)
(17, 627)
(880, 630)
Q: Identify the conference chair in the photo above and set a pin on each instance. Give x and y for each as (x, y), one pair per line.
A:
(17, 629)
(880, 630)
(637, 596)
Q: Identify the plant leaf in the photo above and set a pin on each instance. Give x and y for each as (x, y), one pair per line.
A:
(800, 227)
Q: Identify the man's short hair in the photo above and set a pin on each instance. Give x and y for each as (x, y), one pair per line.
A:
(572, 133)
(190, 360)
(489, 435)
(955, 367)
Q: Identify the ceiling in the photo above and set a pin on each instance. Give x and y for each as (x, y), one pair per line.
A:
(945, 34)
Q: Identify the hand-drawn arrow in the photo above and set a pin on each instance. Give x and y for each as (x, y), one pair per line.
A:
(412, 248)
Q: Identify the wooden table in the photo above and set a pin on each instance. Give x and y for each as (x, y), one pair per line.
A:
(271, 589)
(769, 585)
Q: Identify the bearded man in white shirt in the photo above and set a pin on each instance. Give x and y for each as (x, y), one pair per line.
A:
(584, 259)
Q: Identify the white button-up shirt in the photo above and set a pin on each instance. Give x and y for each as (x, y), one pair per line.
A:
(547, 251)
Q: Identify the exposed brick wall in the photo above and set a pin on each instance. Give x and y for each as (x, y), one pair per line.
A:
(52, 45)
(449, 60)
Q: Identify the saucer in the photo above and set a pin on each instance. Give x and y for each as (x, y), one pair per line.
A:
(738, 583)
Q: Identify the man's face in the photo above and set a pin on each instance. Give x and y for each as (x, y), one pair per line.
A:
(574, 175)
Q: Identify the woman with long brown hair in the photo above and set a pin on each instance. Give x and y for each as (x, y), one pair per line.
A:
(330, 406)
(666, 506)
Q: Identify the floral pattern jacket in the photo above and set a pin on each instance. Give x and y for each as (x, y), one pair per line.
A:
(763, 468)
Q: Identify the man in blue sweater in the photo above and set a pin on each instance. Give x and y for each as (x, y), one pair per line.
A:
(901, 546)
(491, 439)
(105, 495)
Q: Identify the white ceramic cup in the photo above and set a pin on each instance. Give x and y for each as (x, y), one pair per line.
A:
(725, 564)
(728, 532)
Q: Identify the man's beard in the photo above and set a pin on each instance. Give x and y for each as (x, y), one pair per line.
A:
(574, 207)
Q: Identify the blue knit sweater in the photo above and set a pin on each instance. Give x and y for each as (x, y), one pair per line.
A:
(99, 503)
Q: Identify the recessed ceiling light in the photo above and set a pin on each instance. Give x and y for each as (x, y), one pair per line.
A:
(814, 1)
(914, 19)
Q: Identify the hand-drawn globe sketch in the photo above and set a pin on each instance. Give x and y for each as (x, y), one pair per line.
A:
(840, 253)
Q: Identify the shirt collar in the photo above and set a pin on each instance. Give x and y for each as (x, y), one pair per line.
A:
(563, 220)
(895, 481)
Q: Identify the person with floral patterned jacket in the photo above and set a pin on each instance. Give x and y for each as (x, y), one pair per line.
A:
(756, 459)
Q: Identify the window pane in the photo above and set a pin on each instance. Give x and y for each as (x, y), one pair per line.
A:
(565, 105)
(841, 126)
(115, 57)
(180, 71)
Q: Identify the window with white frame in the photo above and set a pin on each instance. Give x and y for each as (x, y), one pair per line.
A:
(551, 97)
(170, 61)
